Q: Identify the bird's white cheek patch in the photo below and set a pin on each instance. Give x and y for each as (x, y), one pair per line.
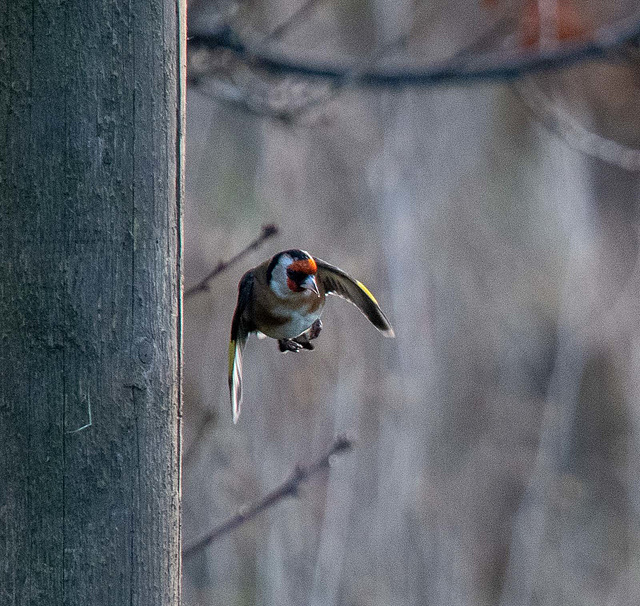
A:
(280, 289)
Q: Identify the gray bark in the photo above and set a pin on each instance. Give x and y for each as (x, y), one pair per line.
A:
(90, 331)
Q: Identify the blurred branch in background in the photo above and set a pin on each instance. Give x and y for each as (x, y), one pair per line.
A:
(267, 232)
(246, 70)
(574, 134)
(289, 488)
(332, 90)
(497, 64)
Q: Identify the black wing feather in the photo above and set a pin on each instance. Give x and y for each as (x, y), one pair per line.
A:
(338, 282)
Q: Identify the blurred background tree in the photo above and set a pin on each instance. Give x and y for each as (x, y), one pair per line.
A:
(495, 219)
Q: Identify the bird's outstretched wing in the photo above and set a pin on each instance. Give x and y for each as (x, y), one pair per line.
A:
(241, 328)
(337, 282)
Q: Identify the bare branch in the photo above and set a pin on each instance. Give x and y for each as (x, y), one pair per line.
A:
(267, 232)
(568, 129)
(289, 488)
(334, 89)
(499, 64)
(288, 99)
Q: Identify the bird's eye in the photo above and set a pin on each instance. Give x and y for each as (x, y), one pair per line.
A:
(296, 276)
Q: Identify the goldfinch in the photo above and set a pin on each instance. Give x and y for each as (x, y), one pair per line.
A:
(283, 299)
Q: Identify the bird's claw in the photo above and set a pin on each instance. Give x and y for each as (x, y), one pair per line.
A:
(314, 331)
(289, 345)
(301, 341)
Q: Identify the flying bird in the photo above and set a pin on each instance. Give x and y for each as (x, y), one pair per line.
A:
(283, 299)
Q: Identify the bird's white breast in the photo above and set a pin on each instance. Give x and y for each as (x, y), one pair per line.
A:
(298, 320)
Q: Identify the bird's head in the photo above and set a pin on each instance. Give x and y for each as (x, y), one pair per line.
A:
(292, 271)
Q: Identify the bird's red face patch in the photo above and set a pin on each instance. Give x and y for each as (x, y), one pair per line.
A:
(298, 271)
(304, 266)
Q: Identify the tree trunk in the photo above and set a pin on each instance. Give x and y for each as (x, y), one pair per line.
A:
(91, 111)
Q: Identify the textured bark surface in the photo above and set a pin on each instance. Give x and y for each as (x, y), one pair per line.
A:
(90, 331)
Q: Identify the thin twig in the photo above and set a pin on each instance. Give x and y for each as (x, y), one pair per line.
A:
(288, 489)
(267, 232)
